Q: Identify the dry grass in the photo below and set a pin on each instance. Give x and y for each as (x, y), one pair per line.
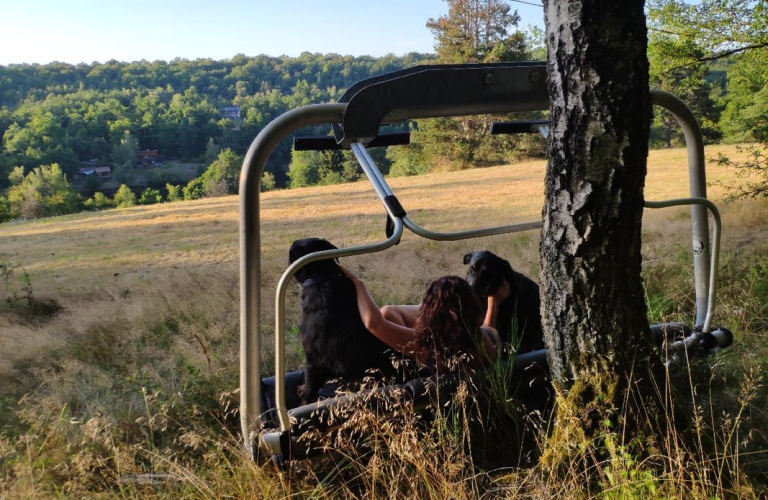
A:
(118, 263)
(149, 299)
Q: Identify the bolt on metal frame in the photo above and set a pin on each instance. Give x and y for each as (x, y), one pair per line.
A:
(705, 264)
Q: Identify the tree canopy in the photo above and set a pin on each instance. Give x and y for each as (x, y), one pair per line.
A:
(63, 113)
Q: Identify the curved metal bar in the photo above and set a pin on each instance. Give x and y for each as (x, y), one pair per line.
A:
(280, 406)
(698, 189)
(250, 256)
(472, 233)
(372, 172)
(716, 228)
(250, 252)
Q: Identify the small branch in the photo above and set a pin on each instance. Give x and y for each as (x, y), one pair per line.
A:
(731, 52)
(715, 57)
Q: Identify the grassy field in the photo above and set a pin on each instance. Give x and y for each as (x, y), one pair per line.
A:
(136, 368)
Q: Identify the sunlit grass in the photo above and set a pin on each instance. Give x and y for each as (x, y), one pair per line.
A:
(149, 328)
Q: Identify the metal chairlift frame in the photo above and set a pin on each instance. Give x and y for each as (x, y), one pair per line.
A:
(420, 92)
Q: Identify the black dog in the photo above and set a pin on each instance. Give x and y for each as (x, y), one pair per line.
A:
(336, 343)
(521, 308)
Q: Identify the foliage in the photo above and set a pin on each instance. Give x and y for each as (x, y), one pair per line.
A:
(150, 196)
(63, 113)
(472, 32)
(126, 154)
(303, 170)
(194, 190)
(267, 181)
(43, 192)
(212, 151)
(751, 175)
(689, 36)
(408, 160)
(122, 174)
(686, 38)
(5, 209)
(124, 197)
(16, 176)
(174, 193)
(98, 202)
(324, 168)
(222, 177)
(477, 32)
(745, 117)
(710, 29)
(689, 83)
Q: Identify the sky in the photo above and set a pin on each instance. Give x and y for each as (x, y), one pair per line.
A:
(74, 31)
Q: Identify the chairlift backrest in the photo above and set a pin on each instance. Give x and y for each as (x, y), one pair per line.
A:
(419, 92)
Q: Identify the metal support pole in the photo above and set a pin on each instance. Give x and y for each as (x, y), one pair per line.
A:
(698, 189)
(250, 254)
(716, 228)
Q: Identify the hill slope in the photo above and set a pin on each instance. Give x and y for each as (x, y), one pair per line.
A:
(139, 356)
(119, 263)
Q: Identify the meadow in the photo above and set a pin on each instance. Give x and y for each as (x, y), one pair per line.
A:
(119, 338)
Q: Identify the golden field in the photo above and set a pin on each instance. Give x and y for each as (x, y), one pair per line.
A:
(138, 369)
(125, 264)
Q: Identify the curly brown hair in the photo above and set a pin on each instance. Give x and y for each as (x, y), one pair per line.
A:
(448, 323)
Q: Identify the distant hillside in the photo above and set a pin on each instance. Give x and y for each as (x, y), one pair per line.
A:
(64, 113)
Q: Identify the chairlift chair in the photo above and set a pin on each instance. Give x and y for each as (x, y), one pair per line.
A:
(414, 93)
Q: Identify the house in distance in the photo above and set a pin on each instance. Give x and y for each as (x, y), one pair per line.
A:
(148, 158)
(102, 172)
(230, 112)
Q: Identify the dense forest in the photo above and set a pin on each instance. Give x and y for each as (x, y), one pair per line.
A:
(64, 115)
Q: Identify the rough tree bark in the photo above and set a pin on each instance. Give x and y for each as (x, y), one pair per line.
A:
(593, 306)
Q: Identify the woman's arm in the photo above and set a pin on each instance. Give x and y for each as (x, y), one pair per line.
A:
(395, 336)
(494, 299)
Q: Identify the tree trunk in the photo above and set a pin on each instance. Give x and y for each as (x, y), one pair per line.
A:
(594, 312)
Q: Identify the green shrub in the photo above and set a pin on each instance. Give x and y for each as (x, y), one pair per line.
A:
(98, 202)
(42, 193)
(150, 196)
(124, 197)
(174, 192)
(194, 189)
(267, 181)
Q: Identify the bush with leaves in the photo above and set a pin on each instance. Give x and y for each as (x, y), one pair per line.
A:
(194, 189)
(303, 170)
(150, 196)
(5, 209)
(43, 192)
(268, 181)
(223, 175)
(98, 202)
(174, 192)
(124, 197)
(127, 152)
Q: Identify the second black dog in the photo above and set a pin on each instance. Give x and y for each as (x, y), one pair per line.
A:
(336, 343)
(521, 308)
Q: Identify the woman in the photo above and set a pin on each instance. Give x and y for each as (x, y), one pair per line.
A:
(448, 323)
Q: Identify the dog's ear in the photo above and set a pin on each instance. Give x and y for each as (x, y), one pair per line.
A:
(305, 246)
(321, 245)
(326, 245)
(468, 257)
